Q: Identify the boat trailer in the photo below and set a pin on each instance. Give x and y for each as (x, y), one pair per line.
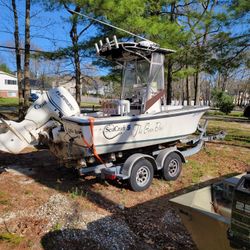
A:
(139, 168)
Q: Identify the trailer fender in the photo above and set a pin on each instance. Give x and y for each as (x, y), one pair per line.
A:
(163, 155)
(129, 163)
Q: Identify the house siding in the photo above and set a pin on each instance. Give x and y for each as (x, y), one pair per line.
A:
(8, 90)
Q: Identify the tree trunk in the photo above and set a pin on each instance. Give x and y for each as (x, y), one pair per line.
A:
(18, 62)
(74, 38)
(27, 57)
(224, 83)
(196, 88)
(188, 91)
(169, 82)
(170, 63)
(219, 81)
(183, 92)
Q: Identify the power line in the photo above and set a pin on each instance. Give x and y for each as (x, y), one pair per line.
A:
(13, 48)
(41, 37)
(33, 50)
(107, 24)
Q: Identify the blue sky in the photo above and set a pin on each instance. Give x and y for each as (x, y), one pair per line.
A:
(49, 30)
(43, 24)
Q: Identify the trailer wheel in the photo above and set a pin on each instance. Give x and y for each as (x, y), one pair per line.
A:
(172, 167)
(141, 175)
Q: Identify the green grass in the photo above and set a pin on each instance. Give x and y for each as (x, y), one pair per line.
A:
(219, 113)
(77, 192)
(90, 106)
(3, 200)
(8, 102)
(237, 133)
(200, 169)
(57, 227)
(13, 102)
(11, 238)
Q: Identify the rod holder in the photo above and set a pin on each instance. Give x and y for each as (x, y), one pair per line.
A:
(101, 44)
(97, 48)
(108, 43)
(116, 43)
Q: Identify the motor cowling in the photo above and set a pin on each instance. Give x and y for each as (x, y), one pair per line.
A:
(55, 103)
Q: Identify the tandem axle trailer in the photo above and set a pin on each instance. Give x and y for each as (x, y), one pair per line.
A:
(139, 168)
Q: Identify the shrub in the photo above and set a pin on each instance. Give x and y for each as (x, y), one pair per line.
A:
(223, 101)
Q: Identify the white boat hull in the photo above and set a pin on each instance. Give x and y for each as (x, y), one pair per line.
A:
(112, 134)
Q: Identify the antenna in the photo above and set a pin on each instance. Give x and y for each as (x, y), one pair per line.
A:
(107, 24)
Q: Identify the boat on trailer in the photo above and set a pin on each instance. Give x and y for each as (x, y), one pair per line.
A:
(140, 118)
(137, 127)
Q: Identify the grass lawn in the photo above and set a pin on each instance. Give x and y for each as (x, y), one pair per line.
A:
(219, 113)
(8, 102)
(90, 105)
(221, 157)
(237, 133)
(12, 102)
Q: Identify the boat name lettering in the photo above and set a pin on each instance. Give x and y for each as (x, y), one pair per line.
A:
(111, 131)
(148, 128)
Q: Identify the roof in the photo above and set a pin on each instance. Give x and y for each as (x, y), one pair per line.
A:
(8, 74)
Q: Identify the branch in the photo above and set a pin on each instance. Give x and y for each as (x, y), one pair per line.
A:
(237, 54)
(84, 29)
(169, 12)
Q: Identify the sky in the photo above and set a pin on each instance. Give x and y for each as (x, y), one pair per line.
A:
(49, 30)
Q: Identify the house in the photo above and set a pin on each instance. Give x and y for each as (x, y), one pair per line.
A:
(91, 85)
(8, 85)
(37, 86)
(67, 82)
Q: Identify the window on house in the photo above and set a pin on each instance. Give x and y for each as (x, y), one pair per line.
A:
(10, 82)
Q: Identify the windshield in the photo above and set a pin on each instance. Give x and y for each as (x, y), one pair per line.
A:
(135, 79)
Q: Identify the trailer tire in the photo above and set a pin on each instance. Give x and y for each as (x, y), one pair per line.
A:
(141, 176)
(172, 167)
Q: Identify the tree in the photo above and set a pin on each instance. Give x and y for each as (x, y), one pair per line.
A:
(18, 61)
(5, 68)
(74, 35)
(193, 28)
(27, 57)
(223, 101)
(76, 51)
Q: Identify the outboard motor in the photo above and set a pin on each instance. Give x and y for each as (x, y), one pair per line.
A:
(54, 104)
(239, 231)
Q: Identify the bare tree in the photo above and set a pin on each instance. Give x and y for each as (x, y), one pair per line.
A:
(18, 61)
(27, 57)
(74, 35)
(170, 61)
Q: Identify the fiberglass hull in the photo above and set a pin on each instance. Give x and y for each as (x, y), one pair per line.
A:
(112, 134)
